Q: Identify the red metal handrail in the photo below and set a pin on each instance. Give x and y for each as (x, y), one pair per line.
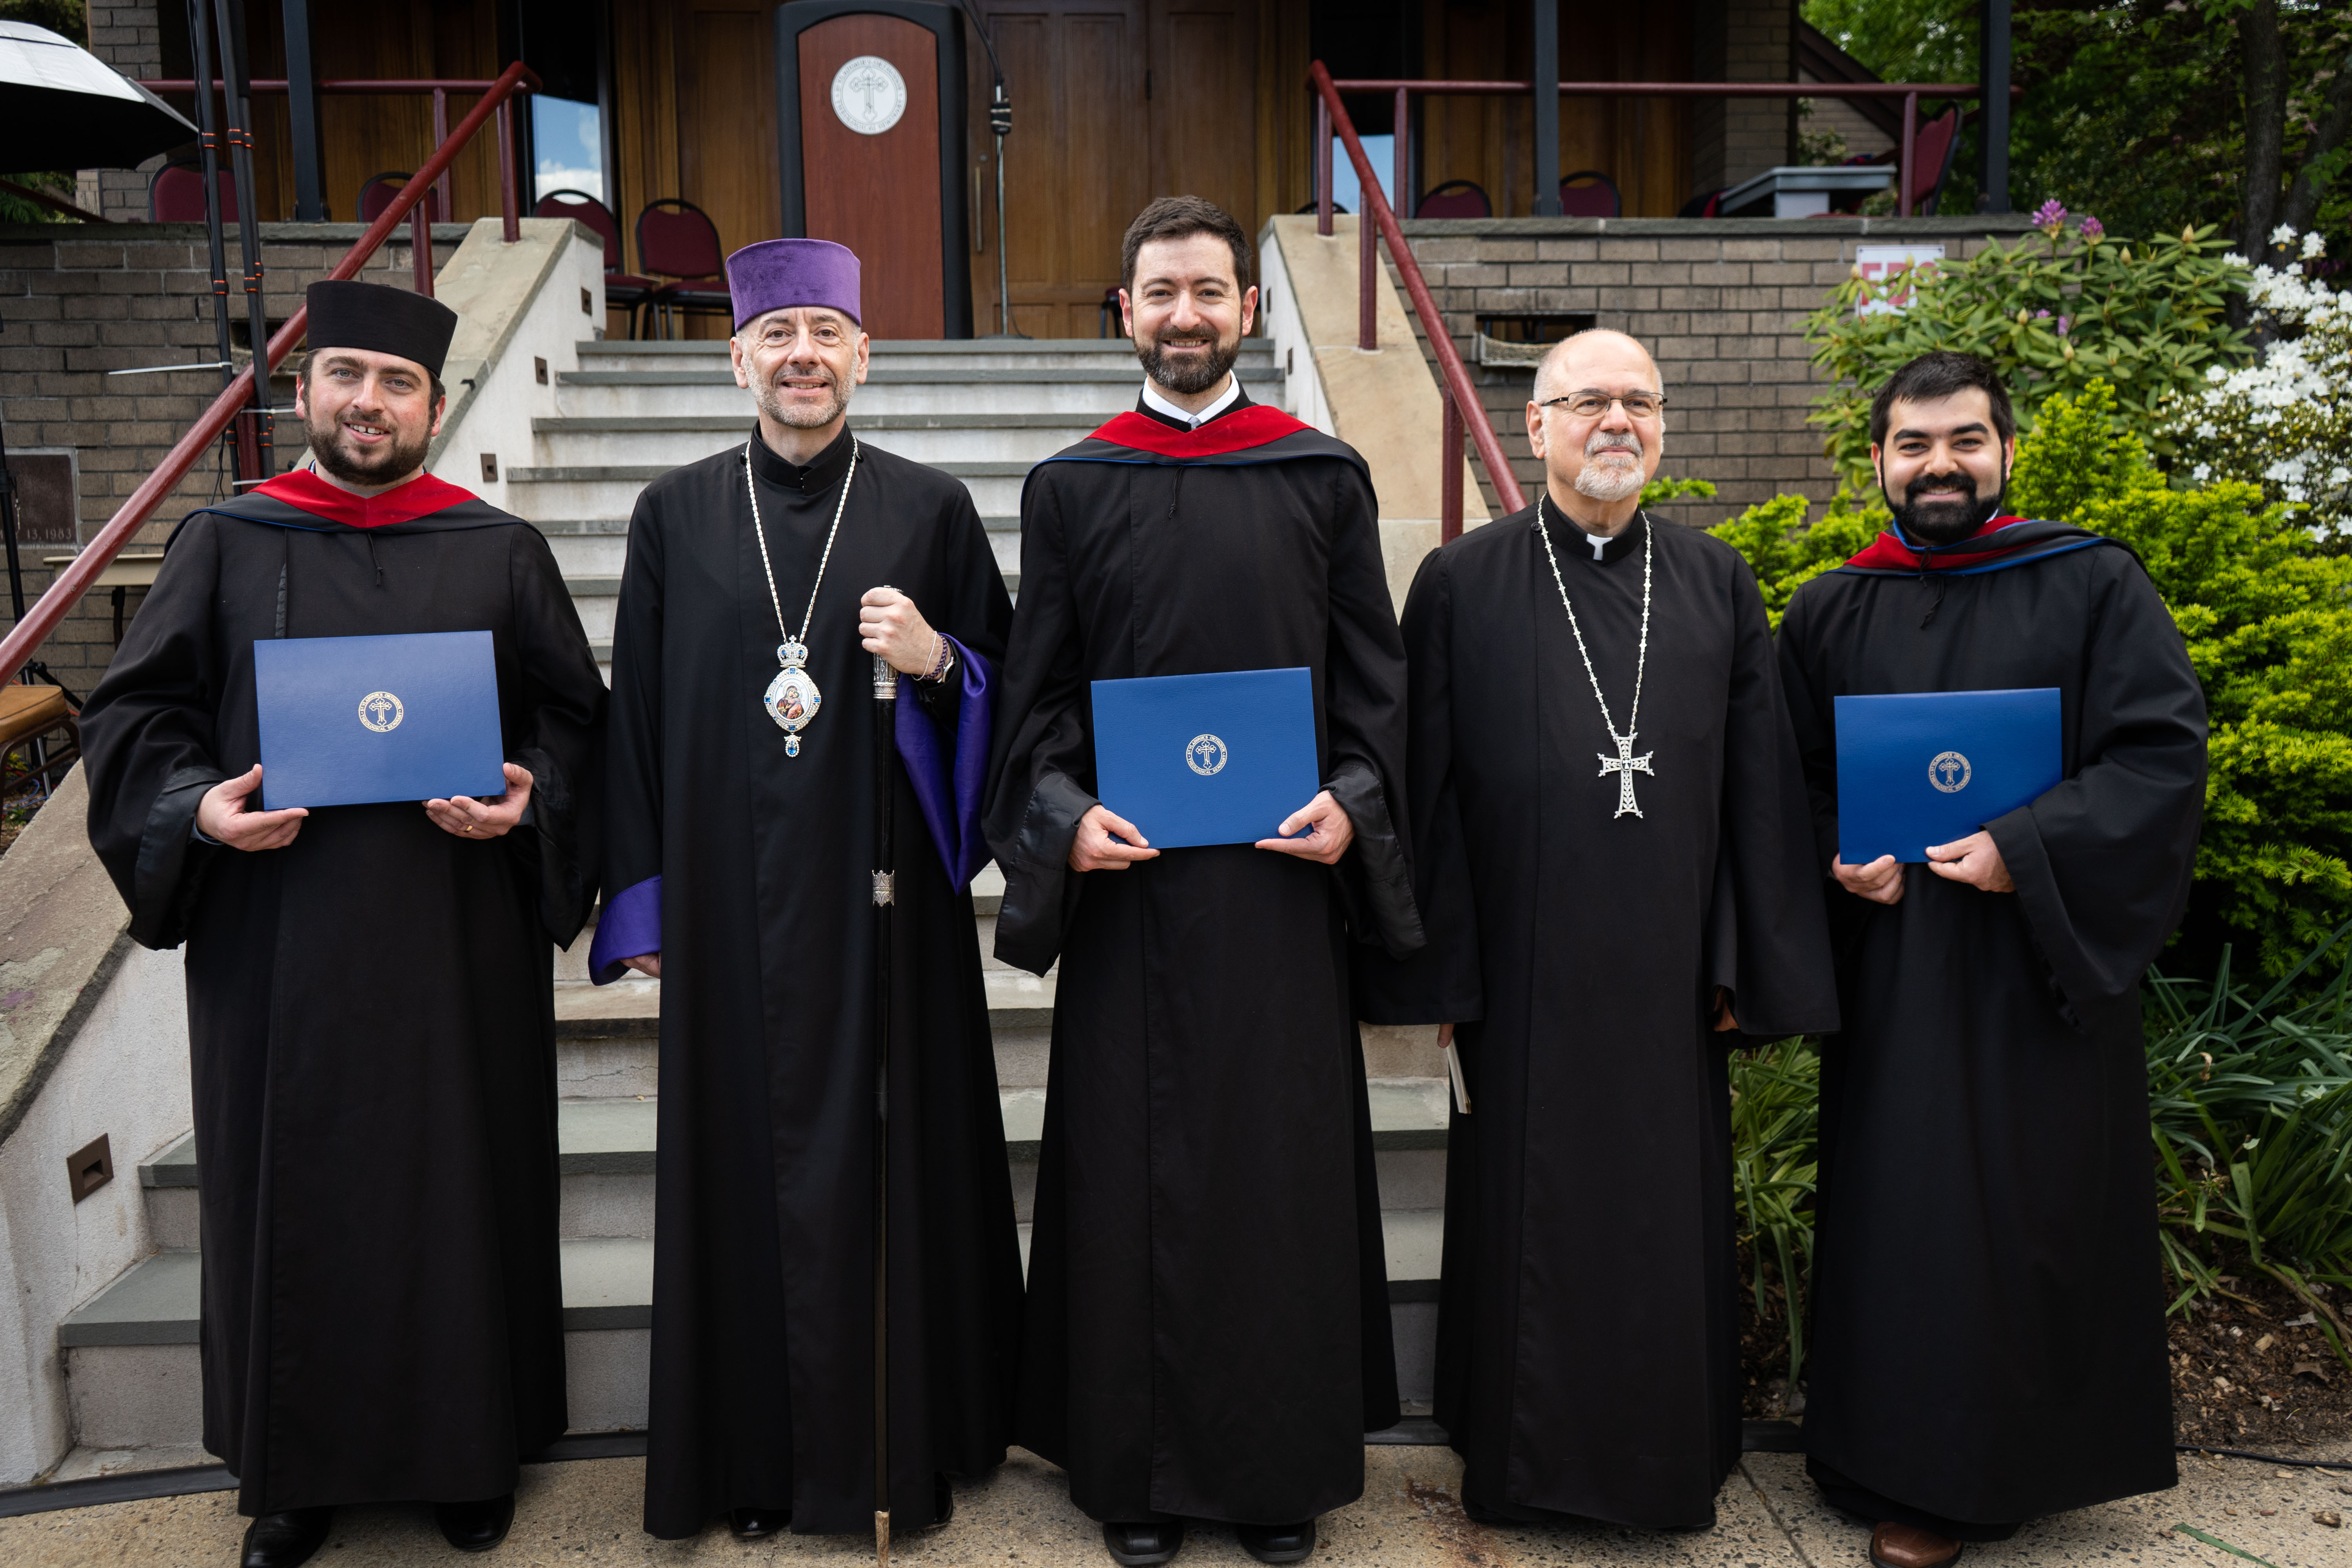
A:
(1910, 93)
(1456, 389)
(396, 86)
(75, 580)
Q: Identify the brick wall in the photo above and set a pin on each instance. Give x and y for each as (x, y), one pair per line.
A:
(1719, 303)
(125, 34)
(77, 301)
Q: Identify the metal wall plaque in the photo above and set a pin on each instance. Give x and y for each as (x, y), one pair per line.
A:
(47, 510)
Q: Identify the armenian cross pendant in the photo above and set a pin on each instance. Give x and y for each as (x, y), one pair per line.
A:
(1626, 764)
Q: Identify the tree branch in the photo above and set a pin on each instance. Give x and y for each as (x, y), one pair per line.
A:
(2303, 197)
(2258, 36)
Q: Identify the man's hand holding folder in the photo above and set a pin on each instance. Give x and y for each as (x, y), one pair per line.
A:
(1974, 860)
(228, 817)
(1109, 842)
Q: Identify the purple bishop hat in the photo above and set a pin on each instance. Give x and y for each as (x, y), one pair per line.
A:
(776, 274)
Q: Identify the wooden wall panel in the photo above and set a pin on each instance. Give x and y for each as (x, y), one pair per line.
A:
(1203, 102)
(1644, 144)
(726, 52)
(1077, 164)
(880, 195)
(365, 136)
(1116, 102)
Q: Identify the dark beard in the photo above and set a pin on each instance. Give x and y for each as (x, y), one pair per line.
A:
(395, 461)
(1186, 380)
(1943, 521)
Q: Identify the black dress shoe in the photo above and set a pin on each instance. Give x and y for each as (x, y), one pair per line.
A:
(1140, 1545)
(1277, 1542)
(286, 1540)
(943, 1499)
(752, 1523)
(475, 1526)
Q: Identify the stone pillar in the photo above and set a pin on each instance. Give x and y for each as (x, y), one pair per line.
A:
(1735, 138)
(126, 35)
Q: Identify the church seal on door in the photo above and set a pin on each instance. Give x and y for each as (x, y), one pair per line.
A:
(869, 94)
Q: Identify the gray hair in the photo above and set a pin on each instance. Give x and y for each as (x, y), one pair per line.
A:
(1549, 372)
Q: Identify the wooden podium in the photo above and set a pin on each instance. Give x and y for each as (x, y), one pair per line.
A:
(870, 133)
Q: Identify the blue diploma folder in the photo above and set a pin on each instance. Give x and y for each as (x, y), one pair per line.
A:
(1206, 758)
(347, 721)
(1928, 767)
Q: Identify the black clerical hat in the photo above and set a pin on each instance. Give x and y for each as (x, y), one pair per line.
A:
(345, 315)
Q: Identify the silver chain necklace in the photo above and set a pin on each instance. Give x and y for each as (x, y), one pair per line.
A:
(792, 699)
(1624, 764)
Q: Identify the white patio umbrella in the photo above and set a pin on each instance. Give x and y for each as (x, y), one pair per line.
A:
(63, 108)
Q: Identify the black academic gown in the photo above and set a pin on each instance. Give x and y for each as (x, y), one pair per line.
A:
(1578, 950)
(1988, 1318)
(370, 1022)
(763, 1256)
(1208, 1321)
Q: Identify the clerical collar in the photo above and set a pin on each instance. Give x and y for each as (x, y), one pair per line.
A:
(1154, 403)
(816, 477)
(1605, 551)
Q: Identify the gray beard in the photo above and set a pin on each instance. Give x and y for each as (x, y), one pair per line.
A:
(1187, 381)
(1610, 484)
(771, 403)
(396, 459)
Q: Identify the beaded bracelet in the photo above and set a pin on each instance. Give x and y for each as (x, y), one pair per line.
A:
(942, 659)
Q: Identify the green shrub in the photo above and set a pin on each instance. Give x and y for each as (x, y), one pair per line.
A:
(2051, 314)
(1776, 1163)
(2267, 615)
(2252, 1112)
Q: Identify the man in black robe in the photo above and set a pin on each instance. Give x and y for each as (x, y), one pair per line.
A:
(740, 861)
(1208, 1329)
(1988, 1320)
(1593, 933)
(369, 1019)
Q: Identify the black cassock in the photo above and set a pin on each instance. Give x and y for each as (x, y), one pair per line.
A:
(1587, 1322)
(370, 1020)
(749, 870)
(1989, 1314)
(1208, 1323)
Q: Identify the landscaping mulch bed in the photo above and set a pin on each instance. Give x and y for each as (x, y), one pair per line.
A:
(14, 816)
(2251, 1373)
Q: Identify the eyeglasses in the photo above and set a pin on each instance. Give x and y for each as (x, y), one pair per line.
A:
(1593, 404)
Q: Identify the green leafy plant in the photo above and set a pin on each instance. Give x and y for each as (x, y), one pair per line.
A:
(1658, 490)
(2051, 314)
(2266, 612)
(1776, 1159)
(2250, 1108)
(2267, 615)
(1786, 551)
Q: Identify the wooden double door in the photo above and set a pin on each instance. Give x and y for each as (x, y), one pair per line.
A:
(1115, 103)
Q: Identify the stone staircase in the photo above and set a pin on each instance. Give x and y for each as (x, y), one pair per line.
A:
(632, 411)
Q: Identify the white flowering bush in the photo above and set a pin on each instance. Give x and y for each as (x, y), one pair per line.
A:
(2284, 422)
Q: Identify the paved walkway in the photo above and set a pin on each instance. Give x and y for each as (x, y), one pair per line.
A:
(584, 1515)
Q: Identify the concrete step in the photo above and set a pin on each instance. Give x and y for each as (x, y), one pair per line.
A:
(611, 489)
(952, 353)
(919, 437)
(136, 1381)
(1093, 394)
(599, 547)
(587, 547)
